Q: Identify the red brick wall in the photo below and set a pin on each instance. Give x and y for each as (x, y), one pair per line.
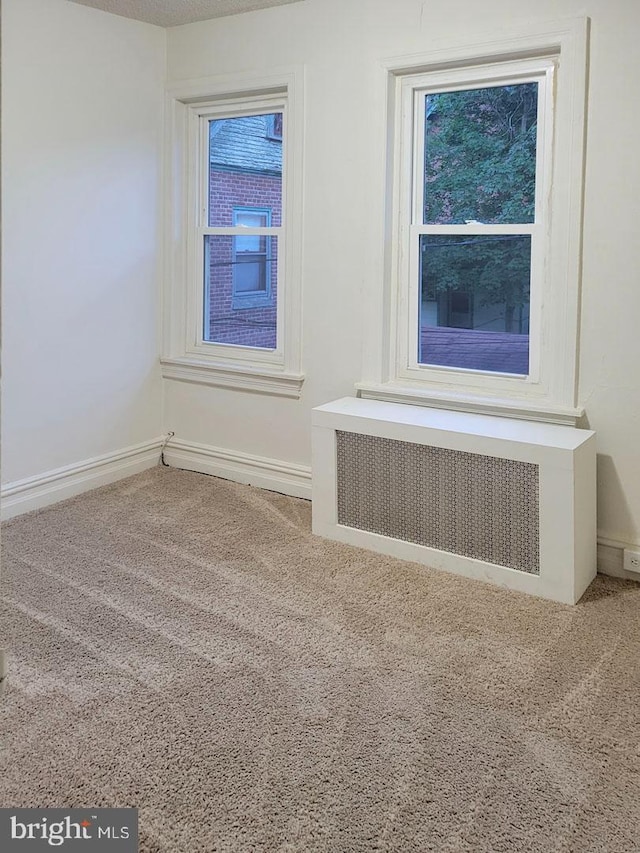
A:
(226, 324)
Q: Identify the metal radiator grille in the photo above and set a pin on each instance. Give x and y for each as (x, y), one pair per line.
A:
(469, 504)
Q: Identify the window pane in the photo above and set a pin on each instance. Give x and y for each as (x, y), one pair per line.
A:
(480, 155)
(474, 306)
(251, 218)
(240, 292)
(252, 243)
(250, 273)
(245, 168)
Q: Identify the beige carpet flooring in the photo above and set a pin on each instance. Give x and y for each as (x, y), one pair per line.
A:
(185, 645)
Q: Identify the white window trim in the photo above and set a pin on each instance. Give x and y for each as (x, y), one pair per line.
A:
(550, 392)
(185, 356)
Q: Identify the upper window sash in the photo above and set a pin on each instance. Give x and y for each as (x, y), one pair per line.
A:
(413, 97)
(241, 108)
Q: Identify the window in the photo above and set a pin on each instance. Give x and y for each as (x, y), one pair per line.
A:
(475, 216)
(233, 286)
(475, 166)
(252, 259)
(240, 235)
(485, 166)
(275, 126)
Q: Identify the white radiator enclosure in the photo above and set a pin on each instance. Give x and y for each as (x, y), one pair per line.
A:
(507, 501)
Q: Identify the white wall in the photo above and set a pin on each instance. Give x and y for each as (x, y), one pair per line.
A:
(81, 150)
(341, 42)
(82, 104)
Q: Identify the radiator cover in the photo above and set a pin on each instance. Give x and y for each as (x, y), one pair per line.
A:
(468, 504)
(511, 502)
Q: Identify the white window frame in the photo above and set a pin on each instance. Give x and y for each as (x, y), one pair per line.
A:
(410, 215)
(555, 57)
(186, 355)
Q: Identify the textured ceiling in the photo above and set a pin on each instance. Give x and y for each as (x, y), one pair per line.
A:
(171, 13)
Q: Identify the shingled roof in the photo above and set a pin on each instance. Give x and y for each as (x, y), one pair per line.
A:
(245, 145)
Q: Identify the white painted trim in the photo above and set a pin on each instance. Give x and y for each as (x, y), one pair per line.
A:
(621, 544)
(42, 490)
(611, 557)
(554, 385)
(230, 376)
(510, 408)
(234, 85)
(541, 38)
(265, 473)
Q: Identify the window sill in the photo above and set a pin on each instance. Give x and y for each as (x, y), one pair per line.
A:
(509, 408)
(239, 378)
(240, 303)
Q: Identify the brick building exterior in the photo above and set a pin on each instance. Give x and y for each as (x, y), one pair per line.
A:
(245, 188)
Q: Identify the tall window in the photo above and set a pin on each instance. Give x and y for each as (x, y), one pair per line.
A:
(478, 148)
(232, 298)
(242, 224)
(476, 223)
(479, 304)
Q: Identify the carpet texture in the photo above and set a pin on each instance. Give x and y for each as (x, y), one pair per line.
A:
(185, 645)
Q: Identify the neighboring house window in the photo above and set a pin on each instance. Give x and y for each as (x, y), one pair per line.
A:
(251, 260)
(233, 288)
(483, 263)
(274, 128)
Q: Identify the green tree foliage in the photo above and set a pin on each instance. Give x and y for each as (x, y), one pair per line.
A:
(480, 157)
(495, 268)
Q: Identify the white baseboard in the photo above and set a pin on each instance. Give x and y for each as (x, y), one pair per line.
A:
(57, 485)
(42, 490)
(610, 558)
(272, 474)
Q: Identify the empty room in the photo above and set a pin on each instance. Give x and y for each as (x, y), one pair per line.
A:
(320, 424)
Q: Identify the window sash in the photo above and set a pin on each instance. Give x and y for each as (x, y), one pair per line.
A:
(184, 359)
(411, 158)
(198, 301)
